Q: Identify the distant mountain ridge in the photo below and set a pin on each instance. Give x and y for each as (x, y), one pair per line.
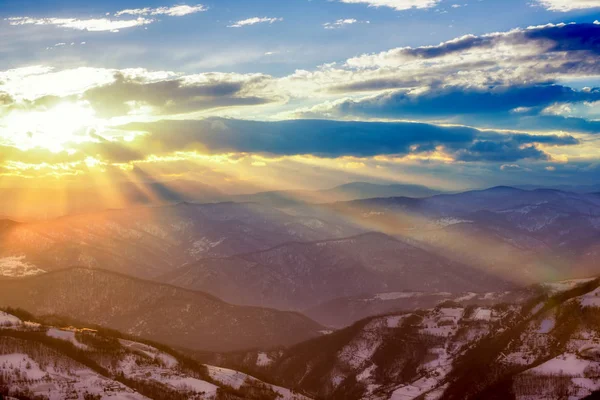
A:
(301, 275)
(346, 192)
(49, 203)
(546, 232)
(150, 241)
(564, 188)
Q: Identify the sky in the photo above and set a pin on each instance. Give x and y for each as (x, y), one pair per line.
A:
(300, 94)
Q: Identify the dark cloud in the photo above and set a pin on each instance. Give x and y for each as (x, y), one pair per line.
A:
(175, 96)
(508, 151)
(539, 54)
(544, 123)
(117, 152)
(335, 138)
(458, 100)
(550, 38)
(505, 107)
(572, 37)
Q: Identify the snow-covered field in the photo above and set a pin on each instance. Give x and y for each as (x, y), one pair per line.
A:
(132, 368)
(60, 382)
(591, 299)
(236, 380)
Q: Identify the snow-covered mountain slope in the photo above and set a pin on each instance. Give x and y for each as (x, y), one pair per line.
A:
(42, 362)
(544, 348)
(149, 241)
(156, 311)
(301, 275)
(342, 312)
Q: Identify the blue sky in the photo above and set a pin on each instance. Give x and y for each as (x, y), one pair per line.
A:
(519, 76)
(202, 42)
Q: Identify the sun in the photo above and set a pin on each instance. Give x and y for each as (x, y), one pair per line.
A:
(50, 129)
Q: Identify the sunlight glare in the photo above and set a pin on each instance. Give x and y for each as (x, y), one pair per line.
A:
(50, 129)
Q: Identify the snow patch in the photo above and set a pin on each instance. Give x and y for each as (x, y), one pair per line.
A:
(482, 314)
(466, 297)
(566, 364)
(263, 360)
(562, 286)
(7, 320)
(66, 335)
(547, 325)
(591, 299)
(17, 267)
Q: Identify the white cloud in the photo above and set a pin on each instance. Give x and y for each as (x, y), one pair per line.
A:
(175, 11)
(254, 21)
(520, 56)
(108, 24)
(31, 83)
(342, 22)
(569, 5)
(91, 25)
(398, 5)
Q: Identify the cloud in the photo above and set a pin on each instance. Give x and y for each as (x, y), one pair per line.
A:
(398, 5)
(523, 107)
(511, 167)
(31, 83)
(254, 21)
(174, 11)
(178, 95)
(534, 55)
(91, 25)
(450, 100)
(516, 44)
(342, 22)
(569, 5)
(136, 93)
(108, 24)
(323, 138)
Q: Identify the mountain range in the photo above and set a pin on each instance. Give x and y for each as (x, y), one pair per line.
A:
(50, 202)
(150, 241)
(298, 276)
(164, 313)
(542, 347)
(438, 297)
(42, 361)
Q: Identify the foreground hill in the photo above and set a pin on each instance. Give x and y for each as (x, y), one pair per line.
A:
(43, 362)
(301, 275)
(149, 241)
(150, 310)
(544, 348)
